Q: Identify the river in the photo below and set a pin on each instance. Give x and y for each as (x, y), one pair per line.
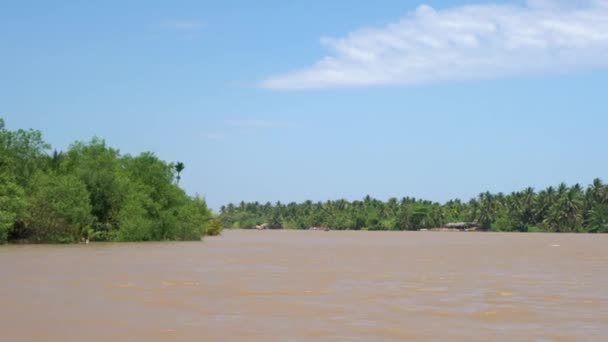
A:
(311, 285)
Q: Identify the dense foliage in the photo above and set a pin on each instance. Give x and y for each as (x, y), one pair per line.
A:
(92, 192)
(555, 209)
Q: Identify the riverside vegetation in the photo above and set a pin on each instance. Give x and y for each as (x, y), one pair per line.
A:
(92, 192)
(554, 209)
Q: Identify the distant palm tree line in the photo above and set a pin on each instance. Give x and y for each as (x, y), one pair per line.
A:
(554, 209)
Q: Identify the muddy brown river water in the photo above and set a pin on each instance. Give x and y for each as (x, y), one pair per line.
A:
(311, 285)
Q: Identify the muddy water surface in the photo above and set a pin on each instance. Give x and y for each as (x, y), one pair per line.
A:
(311, 285)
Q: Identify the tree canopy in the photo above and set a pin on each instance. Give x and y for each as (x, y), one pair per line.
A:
(555, 209)
(92, 191)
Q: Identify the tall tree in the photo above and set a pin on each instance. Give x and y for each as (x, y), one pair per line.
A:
(59, 208)
(179, 167)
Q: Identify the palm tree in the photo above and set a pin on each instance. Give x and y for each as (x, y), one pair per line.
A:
(488, 207)
(565, 213)
(88, 233)
(179, 167)
(56, 160)
(598, 219)
(525, 208)
(597, 193)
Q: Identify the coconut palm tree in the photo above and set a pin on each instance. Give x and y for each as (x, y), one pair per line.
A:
(488, 207)
(179, 167)
(597, 192)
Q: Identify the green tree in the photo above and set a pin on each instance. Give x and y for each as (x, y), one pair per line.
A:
(12, 197)
(26, 151)
(58, 208)
(12, 205)
(194, 218)
(215, 227)
(98, 167)
(133, 219)
(598, 219)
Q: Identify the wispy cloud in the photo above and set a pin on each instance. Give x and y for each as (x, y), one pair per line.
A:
(184, 25)
(460, 43)
(258, 124)
(212, 135)
(232, 128)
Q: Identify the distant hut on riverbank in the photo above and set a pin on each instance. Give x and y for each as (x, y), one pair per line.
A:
(465, 226)
(262, 226)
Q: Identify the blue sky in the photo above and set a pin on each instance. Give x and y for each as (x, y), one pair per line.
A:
(276, 100)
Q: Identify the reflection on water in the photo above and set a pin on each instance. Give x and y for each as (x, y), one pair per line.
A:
(311, 285)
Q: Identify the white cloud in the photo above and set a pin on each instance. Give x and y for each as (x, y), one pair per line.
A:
(460, 43)
(257, 124)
